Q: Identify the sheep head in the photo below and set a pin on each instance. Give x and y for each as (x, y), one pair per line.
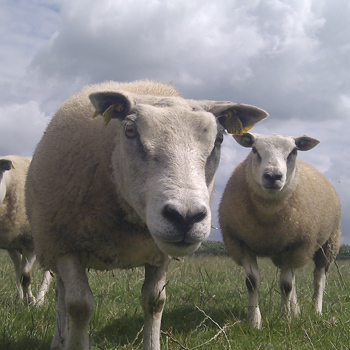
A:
(273, 158)
(166, 154)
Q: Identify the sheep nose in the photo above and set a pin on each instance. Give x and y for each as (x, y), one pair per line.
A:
(184, 222)
(272, 177)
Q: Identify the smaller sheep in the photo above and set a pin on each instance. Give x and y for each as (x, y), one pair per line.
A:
(279, 207)
(15, 234)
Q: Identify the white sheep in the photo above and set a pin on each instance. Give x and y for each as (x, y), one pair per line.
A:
(279, 207)
(15, 234)
(131, 193)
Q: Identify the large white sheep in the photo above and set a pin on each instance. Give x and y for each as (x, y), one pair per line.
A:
(15, 234)
(134, 192)
(279, 207)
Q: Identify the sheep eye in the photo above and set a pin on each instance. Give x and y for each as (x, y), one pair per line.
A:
(254, 150)
(130, 130)
(219, 139)
(293, 153)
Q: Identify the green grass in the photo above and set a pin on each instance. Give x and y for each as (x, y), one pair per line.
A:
(205, 309)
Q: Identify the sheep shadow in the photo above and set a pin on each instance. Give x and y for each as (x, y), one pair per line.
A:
(183, 320)
(24, 344)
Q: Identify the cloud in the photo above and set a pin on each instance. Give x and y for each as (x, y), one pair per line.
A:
(289, 58)
(21, 128)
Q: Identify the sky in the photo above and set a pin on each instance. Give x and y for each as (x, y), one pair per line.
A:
(289, 57)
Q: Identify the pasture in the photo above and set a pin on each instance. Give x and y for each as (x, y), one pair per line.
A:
(205, 309)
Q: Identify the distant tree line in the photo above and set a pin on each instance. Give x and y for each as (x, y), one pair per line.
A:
(218, 248)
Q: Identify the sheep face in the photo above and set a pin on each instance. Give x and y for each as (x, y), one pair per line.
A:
(166, 153)
(168, 176)
(273, 159)
(5, 165)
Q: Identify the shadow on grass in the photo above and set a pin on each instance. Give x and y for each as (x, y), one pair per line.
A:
(24, 344)
(184, 320)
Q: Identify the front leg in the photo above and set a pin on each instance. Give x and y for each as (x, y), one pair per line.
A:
(250, 266)
(153, 300)
(78, 304)
(61, 328)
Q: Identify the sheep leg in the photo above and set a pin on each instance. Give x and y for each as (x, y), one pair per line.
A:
(319, 286)
(28, 259)
(45, 284)
(250, 266)
(61, 317)
(16, 258)
(153, 300)
(289, 301)
(79, 302)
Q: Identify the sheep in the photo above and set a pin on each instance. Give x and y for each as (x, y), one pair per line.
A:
(15, 234)
(279, 207)
(133, 192)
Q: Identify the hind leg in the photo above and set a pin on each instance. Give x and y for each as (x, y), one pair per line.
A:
(44, 287)
(28, 259)
(16, 258)
(289, 302)
(319, 286)
(323, 258)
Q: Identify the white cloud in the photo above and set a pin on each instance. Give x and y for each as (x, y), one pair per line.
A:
(21, 128)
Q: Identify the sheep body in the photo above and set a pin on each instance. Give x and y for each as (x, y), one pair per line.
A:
(293, 224)
(15, 233)
(127, 194)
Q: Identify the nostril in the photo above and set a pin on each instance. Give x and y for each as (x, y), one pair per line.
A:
(273, 177)
(171, 213)
(198, 216)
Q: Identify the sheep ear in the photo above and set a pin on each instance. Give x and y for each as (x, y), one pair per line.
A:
(245, 140)
(237, 119)
(110, 105)
(305, 143)
(5, 165)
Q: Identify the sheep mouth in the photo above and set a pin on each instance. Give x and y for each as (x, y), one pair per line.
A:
(183, 244)
(272, 189)
(178, 249)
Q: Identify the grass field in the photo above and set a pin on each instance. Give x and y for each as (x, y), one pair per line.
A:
(205, 309)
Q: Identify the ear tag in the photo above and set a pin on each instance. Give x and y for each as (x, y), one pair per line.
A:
(108, 113)
(234, 125)
(303, 142)
(95, 115)
(12, 166)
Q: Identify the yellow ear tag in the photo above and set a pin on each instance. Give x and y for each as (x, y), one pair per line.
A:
(234, 125)
(95, 114)
(12, 166)
(108, 113)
